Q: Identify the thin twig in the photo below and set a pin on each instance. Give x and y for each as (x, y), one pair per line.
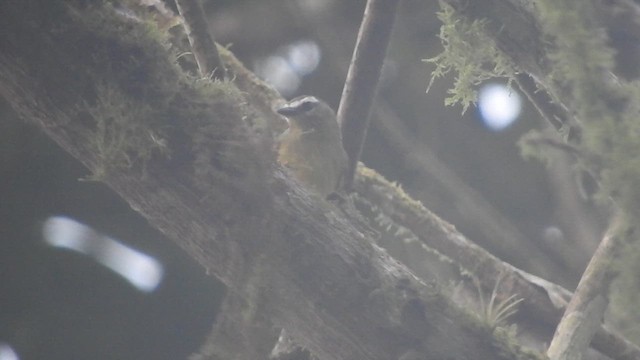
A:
(541, 101)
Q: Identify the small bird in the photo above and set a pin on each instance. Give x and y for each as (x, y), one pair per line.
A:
(312, 146)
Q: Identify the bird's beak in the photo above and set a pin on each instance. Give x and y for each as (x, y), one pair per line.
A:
(287, 110)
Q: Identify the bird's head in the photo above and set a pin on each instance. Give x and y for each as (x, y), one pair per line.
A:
(307, 112)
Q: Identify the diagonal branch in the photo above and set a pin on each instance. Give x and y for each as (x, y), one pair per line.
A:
(202, 42)
(362, 79)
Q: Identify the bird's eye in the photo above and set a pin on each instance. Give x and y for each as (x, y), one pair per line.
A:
(307, 106)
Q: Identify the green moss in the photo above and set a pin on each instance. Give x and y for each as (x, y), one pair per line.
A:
(147, 108)
(129, 101)
(224, 150)
(125, 133)
(470, 54)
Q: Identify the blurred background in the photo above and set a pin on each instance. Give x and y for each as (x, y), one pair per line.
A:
(83, 276)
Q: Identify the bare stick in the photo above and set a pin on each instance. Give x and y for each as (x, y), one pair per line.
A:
(201, 40)
(362, 79)
(541, 101)
(582, 318)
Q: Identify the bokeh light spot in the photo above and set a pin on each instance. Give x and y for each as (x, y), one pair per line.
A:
(499, 106)
(288, 65)
(141, 270)
(304, 57)
(277, 71)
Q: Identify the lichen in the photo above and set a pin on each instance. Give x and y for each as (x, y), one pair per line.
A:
(470, 54)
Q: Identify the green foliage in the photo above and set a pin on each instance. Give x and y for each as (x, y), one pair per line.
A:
(607, 107)
(615, 139)
(469, 53)
(530, 148)
(494, 313)
(580, 52)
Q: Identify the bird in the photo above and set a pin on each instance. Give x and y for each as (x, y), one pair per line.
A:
(312, 145)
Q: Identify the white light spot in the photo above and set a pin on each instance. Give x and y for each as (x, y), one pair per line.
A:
(277, 71)
(7, 352)
(141, 270)
(553, 236)
(304, 56)
(499, 106)
(62, 232)
(314, 7)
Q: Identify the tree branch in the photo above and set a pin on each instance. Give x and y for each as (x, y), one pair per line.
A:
(585, 311)
(361, 85)
(202, 43)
